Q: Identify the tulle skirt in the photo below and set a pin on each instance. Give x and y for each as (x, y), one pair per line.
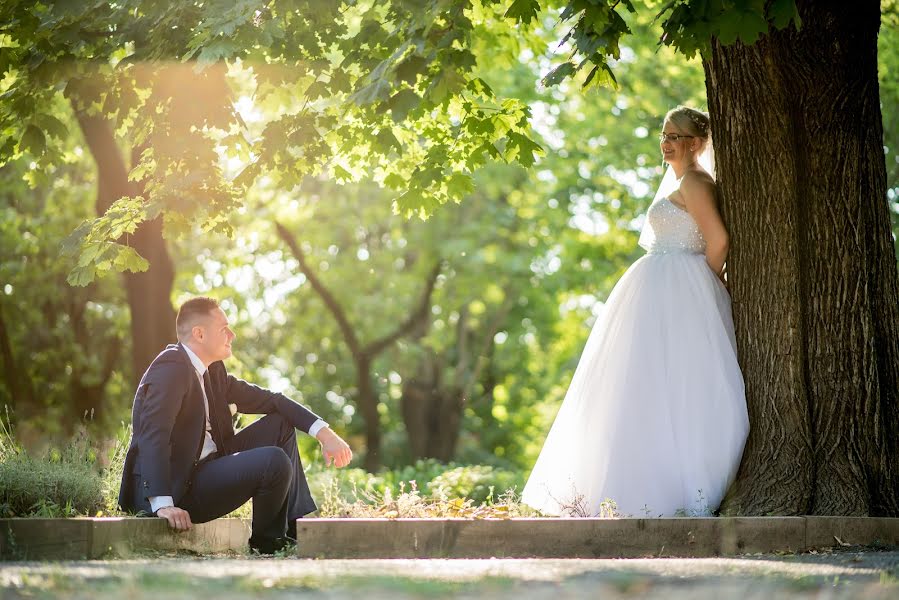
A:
(655, 419)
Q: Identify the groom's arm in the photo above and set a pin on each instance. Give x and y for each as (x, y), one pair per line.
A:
(252, 399)
(163, 392)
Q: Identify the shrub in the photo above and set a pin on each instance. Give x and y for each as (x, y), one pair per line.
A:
(57, 484)
(427, 488)
(478, 483)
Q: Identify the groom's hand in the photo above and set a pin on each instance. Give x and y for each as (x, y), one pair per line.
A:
(178, 518)
(336, 451)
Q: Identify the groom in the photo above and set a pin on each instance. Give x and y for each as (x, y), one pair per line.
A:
(187, 465)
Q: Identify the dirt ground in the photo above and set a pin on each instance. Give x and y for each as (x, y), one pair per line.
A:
(848, 573)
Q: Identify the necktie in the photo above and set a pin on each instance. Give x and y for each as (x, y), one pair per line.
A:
(207, 384)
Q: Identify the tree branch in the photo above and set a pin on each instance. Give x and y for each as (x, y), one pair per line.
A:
(420, 314)
(327, 297)
(497, 321)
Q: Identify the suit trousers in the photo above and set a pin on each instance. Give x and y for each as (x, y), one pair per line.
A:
(265, 466)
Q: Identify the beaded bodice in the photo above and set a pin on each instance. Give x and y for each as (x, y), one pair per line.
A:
(671, 229)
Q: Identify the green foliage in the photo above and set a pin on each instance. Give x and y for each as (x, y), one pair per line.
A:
(689, 26)
(426, 488)
(479, 483)
(65, 483)
(888, 74)
(386, 90)
(95, 247)
(68, 347)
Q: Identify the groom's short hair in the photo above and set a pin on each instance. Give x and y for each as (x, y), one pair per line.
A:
(192, 311)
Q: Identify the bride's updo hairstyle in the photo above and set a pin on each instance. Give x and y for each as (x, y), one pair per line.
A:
(692, 121)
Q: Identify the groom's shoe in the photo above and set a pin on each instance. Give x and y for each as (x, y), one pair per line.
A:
(272, 546)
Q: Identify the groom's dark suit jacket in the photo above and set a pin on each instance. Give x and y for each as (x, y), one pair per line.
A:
(169, 420)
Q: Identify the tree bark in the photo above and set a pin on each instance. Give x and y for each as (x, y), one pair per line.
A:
(15, 377)
(88, 389)
(149, 293)
(812, 269)
(432, 412)
(432, 408)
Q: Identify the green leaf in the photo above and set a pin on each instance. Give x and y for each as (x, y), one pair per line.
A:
(387, 141)
(316, 90)
(401, 103)
(81, 276)
(459, 185)
(523, 11)
(128, 259)
(33, 141)
(215, 52)
(444, 85)
(394, 181)
(602, 76)
(729, 27)
(413, 202)
(411, 68)
(376, 91)
(753, 26)
(71, 245)
(783, 12)
(523, 149)
(479, 86)
(53, 126)
(342, 175)
(558, 74)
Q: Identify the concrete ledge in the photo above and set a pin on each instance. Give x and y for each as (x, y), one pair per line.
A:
(583, 538)
(86, 538)
(62, 539)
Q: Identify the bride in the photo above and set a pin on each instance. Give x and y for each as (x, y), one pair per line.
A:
(655, 419)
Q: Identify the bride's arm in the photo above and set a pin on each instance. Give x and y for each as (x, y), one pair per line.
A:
(700, 199)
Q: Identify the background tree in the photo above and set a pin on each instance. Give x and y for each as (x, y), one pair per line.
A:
(61, 349)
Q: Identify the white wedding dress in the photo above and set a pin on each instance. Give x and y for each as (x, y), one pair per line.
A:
(655, 419)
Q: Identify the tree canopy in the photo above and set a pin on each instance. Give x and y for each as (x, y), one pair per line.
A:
(391, 92)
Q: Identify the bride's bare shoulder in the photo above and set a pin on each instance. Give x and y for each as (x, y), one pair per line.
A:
(698, 182)
(698, 188)
(698, 177)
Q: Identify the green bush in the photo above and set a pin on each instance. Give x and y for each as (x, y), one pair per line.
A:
(58, 484)
(432, 479)
(479, 483)
(43, 488)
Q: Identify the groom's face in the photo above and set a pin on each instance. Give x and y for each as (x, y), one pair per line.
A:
(215, 336)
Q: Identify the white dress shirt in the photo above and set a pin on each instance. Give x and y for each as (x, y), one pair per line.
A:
(157, 502)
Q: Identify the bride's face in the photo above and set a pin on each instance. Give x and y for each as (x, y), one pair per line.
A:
(678, 146)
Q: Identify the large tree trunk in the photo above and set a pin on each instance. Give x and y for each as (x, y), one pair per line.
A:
(149, 293)
(432, 412)
(812, 269)
(367, 400)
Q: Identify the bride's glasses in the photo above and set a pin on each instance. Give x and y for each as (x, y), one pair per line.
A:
(673, 137)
